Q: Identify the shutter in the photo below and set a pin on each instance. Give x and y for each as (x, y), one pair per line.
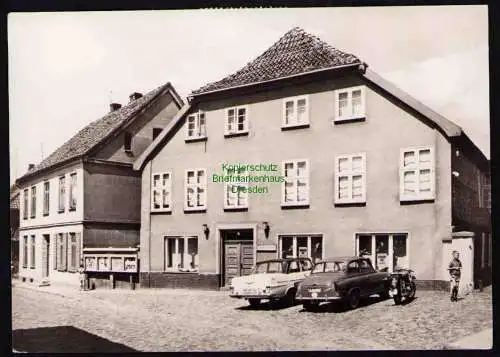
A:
(78, 250)
(64, 258)
(55, 244)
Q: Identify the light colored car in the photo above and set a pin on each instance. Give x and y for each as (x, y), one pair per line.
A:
(275, 280)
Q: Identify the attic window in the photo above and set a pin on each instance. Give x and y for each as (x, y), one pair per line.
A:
(350, 104)
(127, 142)
(156, 132)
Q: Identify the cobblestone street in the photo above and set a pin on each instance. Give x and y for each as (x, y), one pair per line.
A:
(182, 320)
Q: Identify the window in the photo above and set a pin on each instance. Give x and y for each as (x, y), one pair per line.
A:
(46, 198)
(295, 189)
(353, 267)
(196, 128)
(61, 258)
(350, 179)
(181, 254)
(32, 250)
(25, 251)
(127, 142)
(306, 246)
(417, 178)
(162, 192)
(386, 252)
(72, 192)
(236, 121)
(235, 194)
(33, 202)
(196, 190)
(62, 193)
(26, 204)
(295, 112)
(350, 104)
(73, 249)
(156, 132)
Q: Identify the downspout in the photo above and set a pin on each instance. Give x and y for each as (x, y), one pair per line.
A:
(149, 229)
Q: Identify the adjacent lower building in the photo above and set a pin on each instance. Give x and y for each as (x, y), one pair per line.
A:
(307, 152)
(83, 200)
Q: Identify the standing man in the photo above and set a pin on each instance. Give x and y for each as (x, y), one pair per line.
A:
(455, 268)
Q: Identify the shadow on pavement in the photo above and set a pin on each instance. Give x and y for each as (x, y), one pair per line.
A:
(339, 307)
(63, 339)
(266, 306)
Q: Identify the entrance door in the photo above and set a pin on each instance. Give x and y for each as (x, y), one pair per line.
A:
(45, 255)
(237, 254)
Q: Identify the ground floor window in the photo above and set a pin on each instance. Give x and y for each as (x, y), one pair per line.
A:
(181, 254)
(386, 251)
(25, 251)
(307, 246)
(33, 253)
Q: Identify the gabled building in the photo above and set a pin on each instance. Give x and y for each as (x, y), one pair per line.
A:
(86, 195)
(307, 152)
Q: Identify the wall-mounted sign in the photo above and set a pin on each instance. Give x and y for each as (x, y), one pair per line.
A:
(90, 263)
(111, 262)
(117, 263)
(103, 264)
(266, 248)
(131, 264)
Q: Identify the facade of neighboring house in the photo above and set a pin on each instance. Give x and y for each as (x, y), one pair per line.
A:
(86, 195)
(14, 228)
(343, 163)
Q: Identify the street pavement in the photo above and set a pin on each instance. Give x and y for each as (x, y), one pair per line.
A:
(193, 320)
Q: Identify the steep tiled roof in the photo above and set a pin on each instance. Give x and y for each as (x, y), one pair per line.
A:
(297, 52)
(96, 132)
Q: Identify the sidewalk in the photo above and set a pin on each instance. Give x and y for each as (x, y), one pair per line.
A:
(480, 341)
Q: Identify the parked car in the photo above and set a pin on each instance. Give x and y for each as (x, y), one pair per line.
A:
(275, 280)
(342, 279)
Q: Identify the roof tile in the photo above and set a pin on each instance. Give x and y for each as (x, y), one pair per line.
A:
(297, 52)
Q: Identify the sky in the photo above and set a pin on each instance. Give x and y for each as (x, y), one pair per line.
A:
(66, 68)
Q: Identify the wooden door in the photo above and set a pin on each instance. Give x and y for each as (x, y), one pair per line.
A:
(232, 266)
(246, 258)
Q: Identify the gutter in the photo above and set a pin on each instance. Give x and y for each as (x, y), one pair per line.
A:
(190, 97)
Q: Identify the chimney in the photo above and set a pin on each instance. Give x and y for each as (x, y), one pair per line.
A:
(135, 96)
(114, 106)
(31, 167)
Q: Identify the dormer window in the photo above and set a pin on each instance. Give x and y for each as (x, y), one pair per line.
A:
(236, 121)
(127, 142)
(196, 128)
(350, 104)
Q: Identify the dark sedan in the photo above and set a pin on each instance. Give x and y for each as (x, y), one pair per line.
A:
(344, 279)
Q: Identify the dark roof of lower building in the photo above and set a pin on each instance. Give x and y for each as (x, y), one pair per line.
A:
(297, 52)
(97, 131)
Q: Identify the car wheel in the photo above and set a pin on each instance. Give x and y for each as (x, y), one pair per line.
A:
(254, 302)
(289, 298)
(397, 299)
(353, 299)
(413, 287)
(310, 306)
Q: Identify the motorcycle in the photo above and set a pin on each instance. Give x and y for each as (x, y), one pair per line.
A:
(402, 285)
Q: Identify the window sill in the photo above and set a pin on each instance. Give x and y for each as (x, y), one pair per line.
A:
(194, 140)
(195, 210)
(415, 201)
(32, 268)
(157, 211)
(71, 209)
(235, 209)
(348, 120)
(350, 204)
(45, 214)
(32, 217)
(233, 135)
(61, 211)
(293, 127)
(294, 206)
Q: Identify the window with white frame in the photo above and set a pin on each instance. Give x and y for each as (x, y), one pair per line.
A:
(33, 252)
(195, 189)
(387, 251)
(295, 111)
(236, 120)
(350, 178)
(25, 251)
(46, 198)
(26, 203)
(162, 192)
(33, 202)
(235, 195)
(350, 104)
(62, 193)
(196, 126)
(417, 177)
(295, 189)
(72, 191)
(181, 254)
(301, 246)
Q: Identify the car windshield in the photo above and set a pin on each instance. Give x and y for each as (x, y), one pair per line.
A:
(329, 267)
(268, 267)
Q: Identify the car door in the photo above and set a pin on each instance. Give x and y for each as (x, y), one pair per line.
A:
(369, 277)
(352, 280)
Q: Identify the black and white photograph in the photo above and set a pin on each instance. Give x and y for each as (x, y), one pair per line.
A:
(250, 179)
